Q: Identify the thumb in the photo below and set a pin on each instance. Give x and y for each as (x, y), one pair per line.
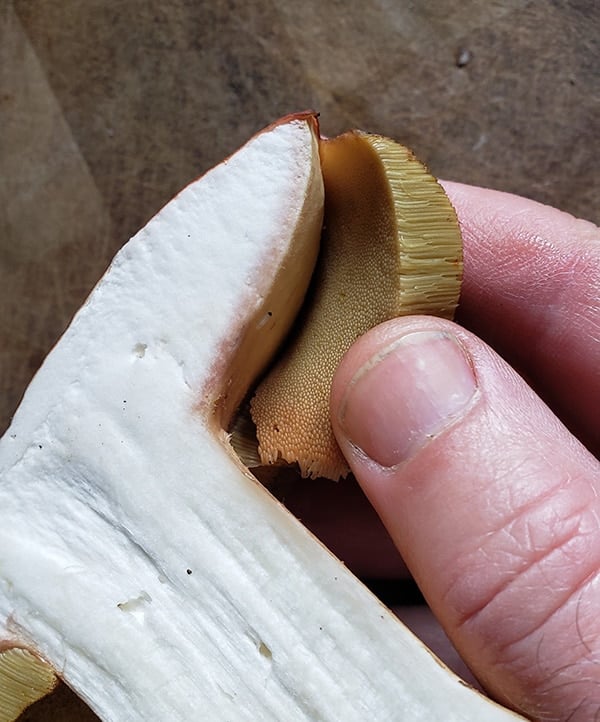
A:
(492, 503)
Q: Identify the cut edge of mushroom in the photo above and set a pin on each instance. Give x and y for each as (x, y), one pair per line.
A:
(25, 678)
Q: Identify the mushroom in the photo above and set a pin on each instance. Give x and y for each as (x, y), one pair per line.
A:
(391, 246)
(140, 560)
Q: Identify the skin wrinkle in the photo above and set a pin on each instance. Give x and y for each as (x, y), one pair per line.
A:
(505, 494)
(496, 219)
(592, 657)
(489, 233)
(498, 500)
(491, 540)
(566, 689)
(472, 617)
(580, 634)
(526, 511)
(540, 268)
(569, 312)
(552, 688)
(569, 484)
(586, 309)
(558, 275)
(563, 605)
(590, 493)
(566, 523)
(574, 712)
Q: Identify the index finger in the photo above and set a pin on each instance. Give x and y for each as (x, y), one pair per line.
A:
(532, 291)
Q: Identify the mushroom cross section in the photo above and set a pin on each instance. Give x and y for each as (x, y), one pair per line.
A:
(139, 558)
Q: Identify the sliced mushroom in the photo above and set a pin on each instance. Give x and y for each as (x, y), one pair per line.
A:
(391, 246)
(139, 558)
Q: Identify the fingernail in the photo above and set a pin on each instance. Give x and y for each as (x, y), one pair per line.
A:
(407, 394)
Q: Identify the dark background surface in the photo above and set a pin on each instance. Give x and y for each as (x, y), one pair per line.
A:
(109, 107)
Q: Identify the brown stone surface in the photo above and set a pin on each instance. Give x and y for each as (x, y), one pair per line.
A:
(108, 107)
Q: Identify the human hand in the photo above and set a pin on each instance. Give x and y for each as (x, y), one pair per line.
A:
(493, 503)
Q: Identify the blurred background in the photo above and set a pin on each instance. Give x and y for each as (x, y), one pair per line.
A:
(109, 107)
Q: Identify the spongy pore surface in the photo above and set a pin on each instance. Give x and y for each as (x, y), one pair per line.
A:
(391, 246)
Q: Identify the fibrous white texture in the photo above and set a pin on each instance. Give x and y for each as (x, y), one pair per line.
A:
(136, 554)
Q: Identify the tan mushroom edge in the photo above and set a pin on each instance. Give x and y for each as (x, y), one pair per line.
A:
(24, 679)
(391, 246)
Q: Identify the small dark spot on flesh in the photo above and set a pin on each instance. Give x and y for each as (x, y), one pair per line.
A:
(188, 571)
(265, 651)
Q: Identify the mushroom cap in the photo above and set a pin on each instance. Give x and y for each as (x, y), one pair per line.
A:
(391, 246)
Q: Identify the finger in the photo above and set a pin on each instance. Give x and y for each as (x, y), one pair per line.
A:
(492, 503)
(532, 290)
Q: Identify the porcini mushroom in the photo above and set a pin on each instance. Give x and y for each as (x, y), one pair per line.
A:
(391, 246)
(140, 560)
